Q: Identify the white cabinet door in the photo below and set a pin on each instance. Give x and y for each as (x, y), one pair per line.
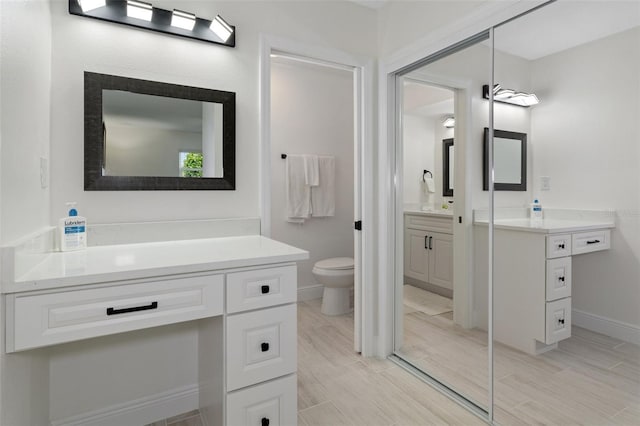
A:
(440, 259)
(261, 345)
(416, 255)
(272, 403)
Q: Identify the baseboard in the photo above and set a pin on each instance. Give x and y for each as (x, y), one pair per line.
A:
(310, 292)
(613, 328)
(139, 412)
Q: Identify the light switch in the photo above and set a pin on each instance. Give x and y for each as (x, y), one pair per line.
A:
(545, 183)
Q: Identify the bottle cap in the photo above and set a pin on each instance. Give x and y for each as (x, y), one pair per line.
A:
(72, 210)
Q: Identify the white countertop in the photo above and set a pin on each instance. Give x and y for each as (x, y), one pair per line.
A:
(548, 226)
(435, 212)
(131, 261)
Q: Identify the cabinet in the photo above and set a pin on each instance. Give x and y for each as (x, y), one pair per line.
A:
(428, 250)
(247, 329)
(532, 282)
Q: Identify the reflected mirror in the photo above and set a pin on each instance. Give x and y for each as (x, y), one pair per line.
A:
(510, 160)
(145, 135)
(447, 167)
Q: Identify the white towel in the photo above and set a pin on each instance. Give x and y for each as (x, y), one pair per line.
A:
(429, 185)
(323, 196)
(311, 173)
(298, 192)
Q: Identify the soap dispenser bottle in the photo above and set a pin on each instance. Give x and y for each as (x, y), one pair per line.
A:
(536, 212)
(72, 230)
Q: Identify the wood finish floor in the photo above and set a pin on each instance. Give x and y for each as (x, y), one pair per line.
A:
(591, 379)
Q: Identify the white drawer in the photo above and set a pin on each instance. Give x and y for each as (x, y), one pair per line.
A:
(586, 242)
(429, 223)
(558, 323)
(261, 345)
(48, 319)
(261, 288)
(558, 278)
(558, 246)
(269, 404)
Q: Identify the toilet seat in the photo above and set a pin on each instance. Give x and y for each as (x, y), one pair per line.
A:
(335, 264)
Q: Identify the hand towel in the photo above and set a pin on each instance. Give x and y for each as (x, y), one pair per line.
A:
(323, 196)
(429, 185)
(311, 173)
(298, 192)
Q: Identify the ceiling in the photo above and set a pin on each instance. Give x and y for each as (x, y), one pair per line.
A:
(565, 24)
(426, 100)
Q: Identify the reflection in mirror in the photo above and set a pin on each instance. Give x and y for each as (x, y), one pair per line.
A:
(447, 167)
(147, 135)
(510, 160)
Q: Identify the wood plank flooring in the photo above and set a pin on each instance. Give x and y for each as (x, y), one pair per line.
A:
(591, 379)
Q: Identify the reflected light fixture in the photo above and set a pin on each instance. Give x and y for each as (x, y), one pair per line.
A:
(510, 96)
(139, 10)
(449, 122)
(89, 5)
(184, 20)
(220, 27)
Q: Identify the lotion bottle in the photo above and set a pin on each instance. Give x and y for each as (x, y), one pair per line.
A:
(72, 231)
(536, 212)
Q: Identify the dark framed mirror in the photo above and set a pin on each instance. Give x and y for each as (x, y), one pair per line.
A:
(447, 167)
(509, 160)
(148, 135)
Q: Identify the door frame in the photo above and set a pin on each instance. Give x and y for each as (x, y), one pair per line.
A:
(364, 292)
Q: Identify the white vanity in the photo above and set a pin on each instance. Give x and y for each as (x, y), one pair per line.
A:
(242, 290)
(428, 247)
(533, 272)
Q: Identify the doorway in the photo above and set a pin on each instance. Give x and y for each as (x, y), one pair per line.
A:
(349, 239)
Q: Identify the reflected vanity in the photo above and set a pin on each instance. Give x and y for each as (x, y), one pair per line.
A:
(147, 135)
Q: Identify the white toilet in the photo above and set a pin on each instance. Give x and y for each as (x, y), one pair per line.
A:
(336, 274)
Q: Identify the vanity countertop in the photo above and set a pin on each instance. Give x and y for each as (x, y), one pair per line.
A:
(549, 226)
(416, 210)
(132, 261)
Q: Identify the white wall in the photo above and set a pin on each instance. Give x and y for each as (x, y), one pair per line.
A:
(312, 112)
(418, 144)
(25, 84)
(25, 77)
(147, 151)
(587, 140)
(81, 44)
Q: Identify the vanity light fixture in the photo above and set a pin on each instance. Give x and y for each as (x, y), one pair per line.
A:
(449, 122)
(220, 27)
(139, 10)
(89, 5)
(510, 96)
(184, 20)
(141, 14)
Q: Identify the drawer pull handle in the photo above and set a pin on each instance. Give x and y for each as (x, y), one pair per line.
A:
(561, 320)
(264, 422)
(264, 289)
(561, 279)
(264, 347)
(430, 246)
(593, 241)
(561, 246)
(426, 242)
(113, 311)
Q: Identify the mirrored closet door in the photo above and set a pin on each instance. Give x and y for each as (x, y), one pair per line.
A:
(441, 115)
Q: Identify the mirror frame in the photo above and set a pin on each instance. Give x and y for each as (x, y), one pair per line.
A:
(94, 143)
(522, 137)
(447, 190)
